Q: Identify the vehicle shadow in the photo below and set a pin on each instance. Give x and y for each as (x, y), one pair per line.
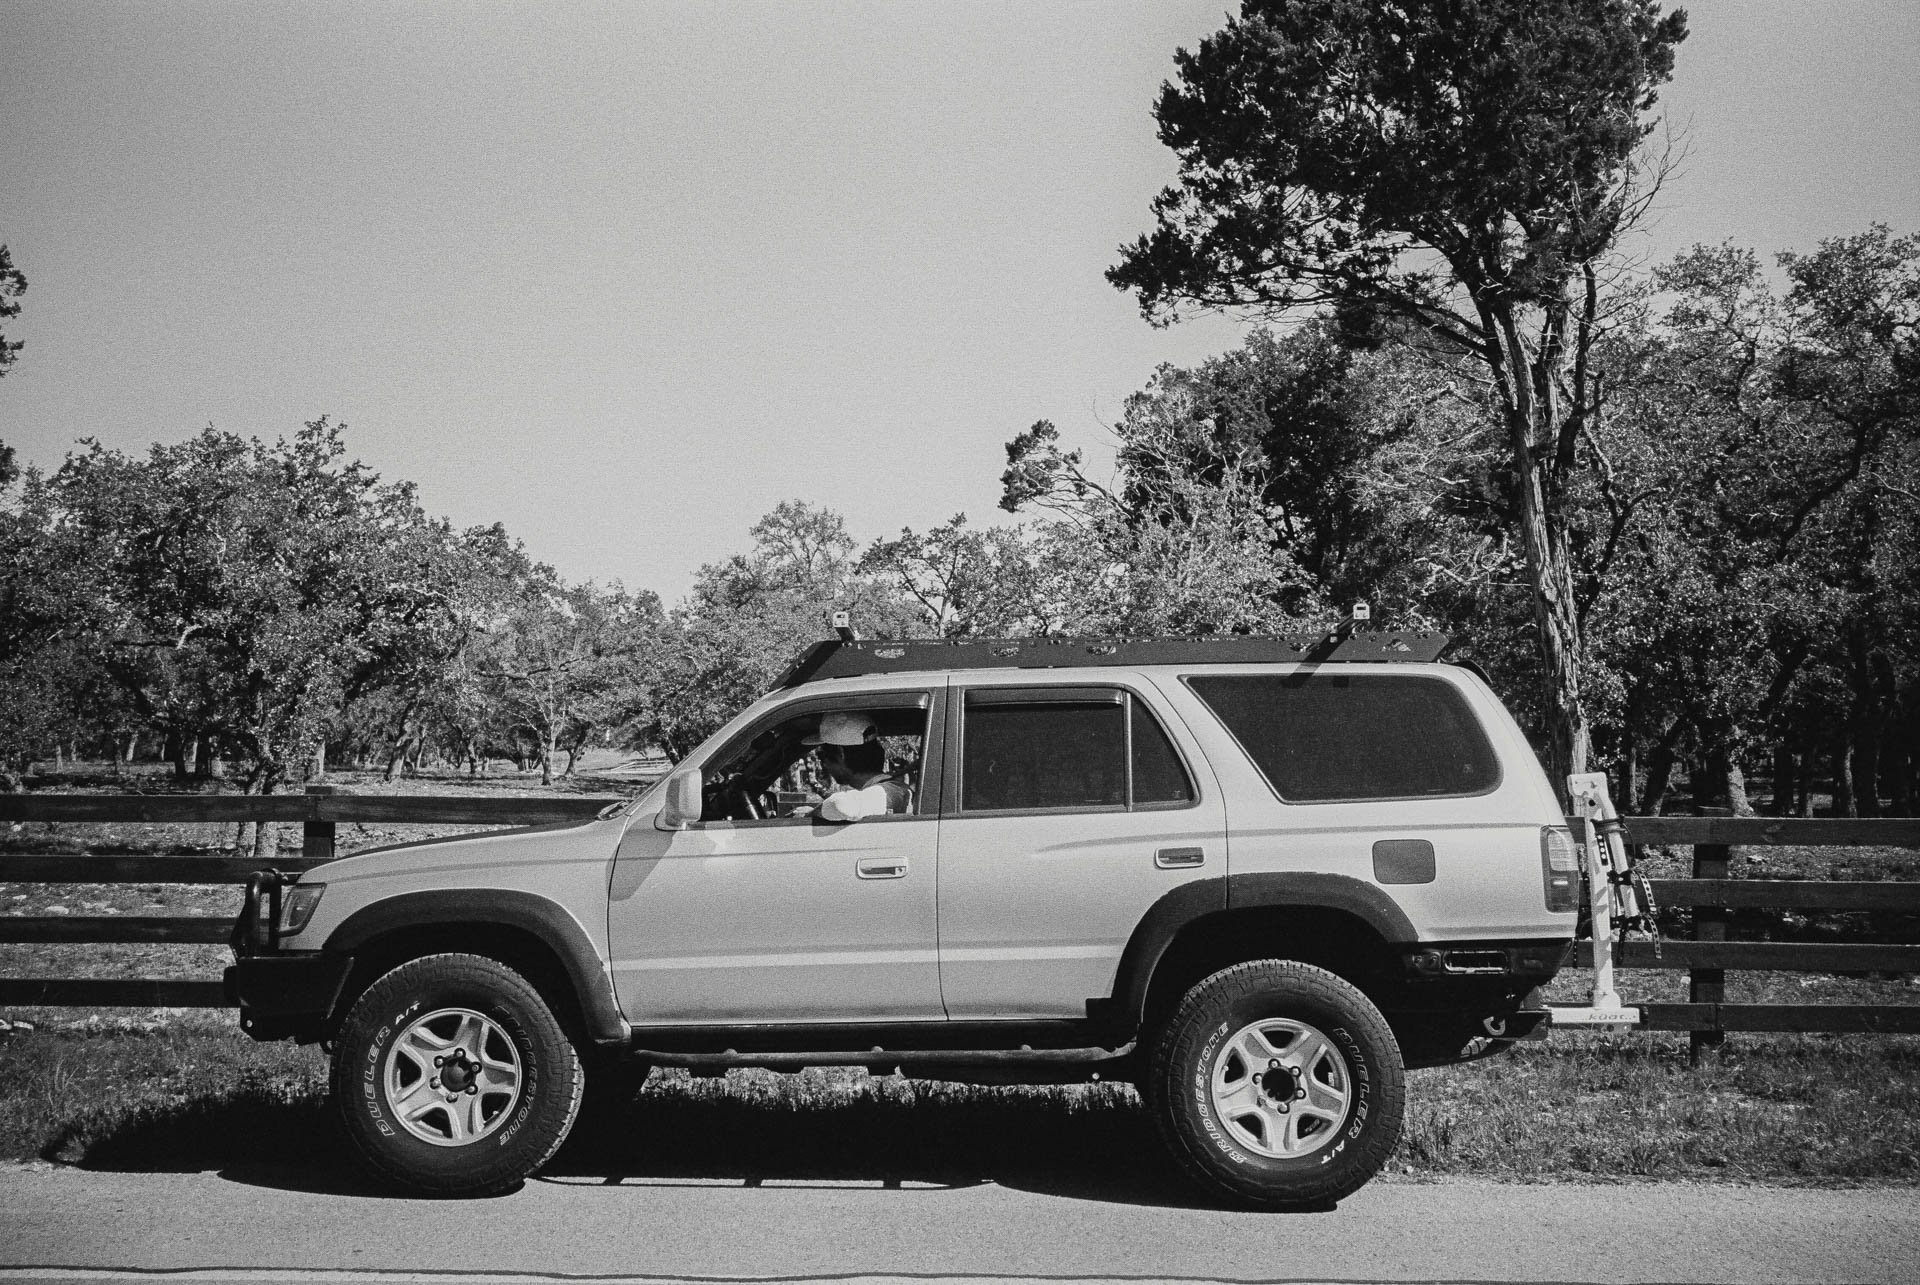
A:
(752, 1128)
(1084, 1142)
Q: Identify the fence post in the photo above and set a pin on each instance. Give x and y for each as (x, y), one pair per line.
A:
(1708, 985)
(316, 840)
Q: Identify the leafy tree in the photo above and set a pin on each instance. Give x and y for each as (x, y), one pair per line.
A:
(973, 582)
(555, 658)
(1751, 542)
(13, 284)
(747, 618)
(1181, 544)
(1465, 168)
(450, 588)
(241, 587)
(1851, 363)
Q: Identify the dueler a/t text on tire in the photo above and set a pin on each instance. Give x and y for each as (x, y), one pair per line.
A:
(1278, 1084)
(453, 1078)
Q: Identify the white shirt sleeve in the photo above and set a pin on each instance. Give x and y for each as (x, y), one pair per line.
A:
(851, 805)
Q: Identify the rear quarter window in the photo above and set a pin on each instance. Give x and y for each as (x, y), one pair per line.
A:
(1330, 738)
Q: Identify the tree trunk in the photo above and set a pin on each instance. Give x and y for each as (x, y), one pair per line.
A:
(1843, 795)
(1866, 764)
(176, 753)
(133, 748)
(1627, 770)
(1897, 762)
(207, 762)
(1722, 783)
(1660, 764)
(1896, 769)
(319, 772)
(546, 761)
(1557, 630)
(1786, 780)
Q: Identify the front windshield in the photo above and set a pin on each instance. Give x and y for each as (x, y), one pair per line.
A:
(699, 753)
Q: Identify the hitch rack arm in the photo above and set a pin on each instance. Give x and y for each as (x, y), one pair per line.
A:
(1606, 866)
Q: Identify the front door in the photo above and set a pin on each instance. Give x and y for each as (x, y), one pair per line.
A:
(762, 912)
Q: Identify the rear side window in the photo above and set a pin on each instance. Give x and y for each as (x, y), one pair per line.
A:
(1159, 777)
(1094, 750)
(1324, 738)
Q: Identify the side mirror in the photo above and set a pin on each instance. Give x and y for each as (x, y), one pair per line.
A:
(683, 804)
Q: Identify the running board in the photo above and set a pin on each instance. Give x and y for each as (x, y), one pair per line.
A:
(888, 1059)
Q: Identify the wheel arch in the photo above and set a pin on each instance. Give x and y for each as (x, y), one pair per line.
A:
(1336, 922)
(533, 935)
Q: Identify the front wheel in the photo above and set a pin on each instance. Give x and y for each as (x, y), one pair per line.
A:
(453, 1078)
(1278, 1084)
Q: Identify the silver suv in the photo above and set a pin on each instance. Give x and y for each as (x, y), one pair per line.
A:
(1256, 877)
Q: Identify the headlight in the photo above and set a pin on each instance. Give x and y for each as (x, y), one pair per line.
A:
(298, 906)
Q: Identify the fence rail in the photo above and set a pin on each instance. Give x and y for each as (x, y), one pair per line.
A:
(1706, 958)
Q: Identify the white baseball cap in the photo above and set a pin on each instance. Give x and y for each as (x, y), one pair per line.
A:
(843, 729)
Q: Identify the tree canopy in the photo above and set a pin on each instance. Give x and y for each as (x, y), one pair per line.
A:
(1463, 168)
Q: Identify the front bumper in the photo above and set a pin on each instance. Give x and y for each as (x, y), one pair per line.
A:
(286, 995)
(280, 994)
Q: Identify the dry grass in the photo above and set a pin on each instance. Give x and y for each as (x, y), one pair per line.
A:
(1822, 1110)
(1775, 1108)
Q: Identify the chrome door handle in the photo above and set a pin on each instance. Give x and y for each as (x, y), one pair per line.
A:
(1179, 858)
(881, 868)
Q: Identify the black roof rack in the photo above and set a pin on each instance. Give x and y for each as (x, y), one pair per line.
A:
(838, 658)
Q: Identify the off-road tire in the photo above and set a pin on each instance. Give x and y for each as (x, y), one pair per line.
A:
(1195, 1053)
(514, 1143)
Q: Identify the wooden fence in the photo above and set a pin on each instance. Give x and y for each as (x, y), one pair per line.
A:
(318, 812)
(1707, 957)
(1712, 894)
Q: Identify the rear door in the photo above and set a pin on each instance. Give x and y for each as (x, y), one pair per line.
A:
(1069, 811)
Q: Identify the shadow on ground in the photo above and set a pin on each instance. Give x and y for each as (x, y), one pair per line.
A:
(1091, 1143)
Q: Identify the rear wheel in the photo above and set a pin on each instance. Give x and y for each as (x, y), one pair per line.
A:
(1278, 1084)
(453, 1078)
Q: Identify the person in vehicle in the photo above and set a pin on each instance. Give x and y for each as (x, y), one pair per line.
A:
(850, 753)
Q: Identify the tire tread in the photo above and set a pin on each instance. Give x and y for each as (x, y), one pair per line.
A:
(1248, 980)
(428, 971)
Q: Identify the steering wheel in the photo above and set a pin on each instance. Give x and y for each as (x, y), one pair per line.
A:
(741, 800)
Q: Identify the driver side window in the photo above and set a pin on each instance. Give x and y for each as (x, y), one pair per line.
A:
(776, 776)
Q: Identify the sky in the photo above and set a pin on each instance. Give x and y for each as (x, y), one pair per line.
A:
(625, 276)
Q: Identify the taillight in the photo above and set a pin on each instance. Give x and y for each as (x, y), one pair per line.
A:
(1560, 868)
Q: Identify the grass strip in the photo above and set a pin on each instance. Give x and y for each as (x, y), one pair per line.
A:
(1826, 1110)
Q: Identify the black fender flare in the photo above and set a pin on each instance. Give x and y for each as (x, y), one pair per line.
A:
(529, 912)
(1181, 906)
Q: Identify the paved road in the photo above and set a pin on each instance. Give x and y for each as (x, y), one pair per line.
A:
(64, 1224)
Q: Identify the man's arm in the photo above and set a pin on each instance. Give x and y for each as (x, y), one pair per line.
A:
(851, 805)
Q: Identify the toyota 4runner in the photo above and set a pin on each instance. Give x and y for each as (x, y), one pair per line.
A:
(1257, 877)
